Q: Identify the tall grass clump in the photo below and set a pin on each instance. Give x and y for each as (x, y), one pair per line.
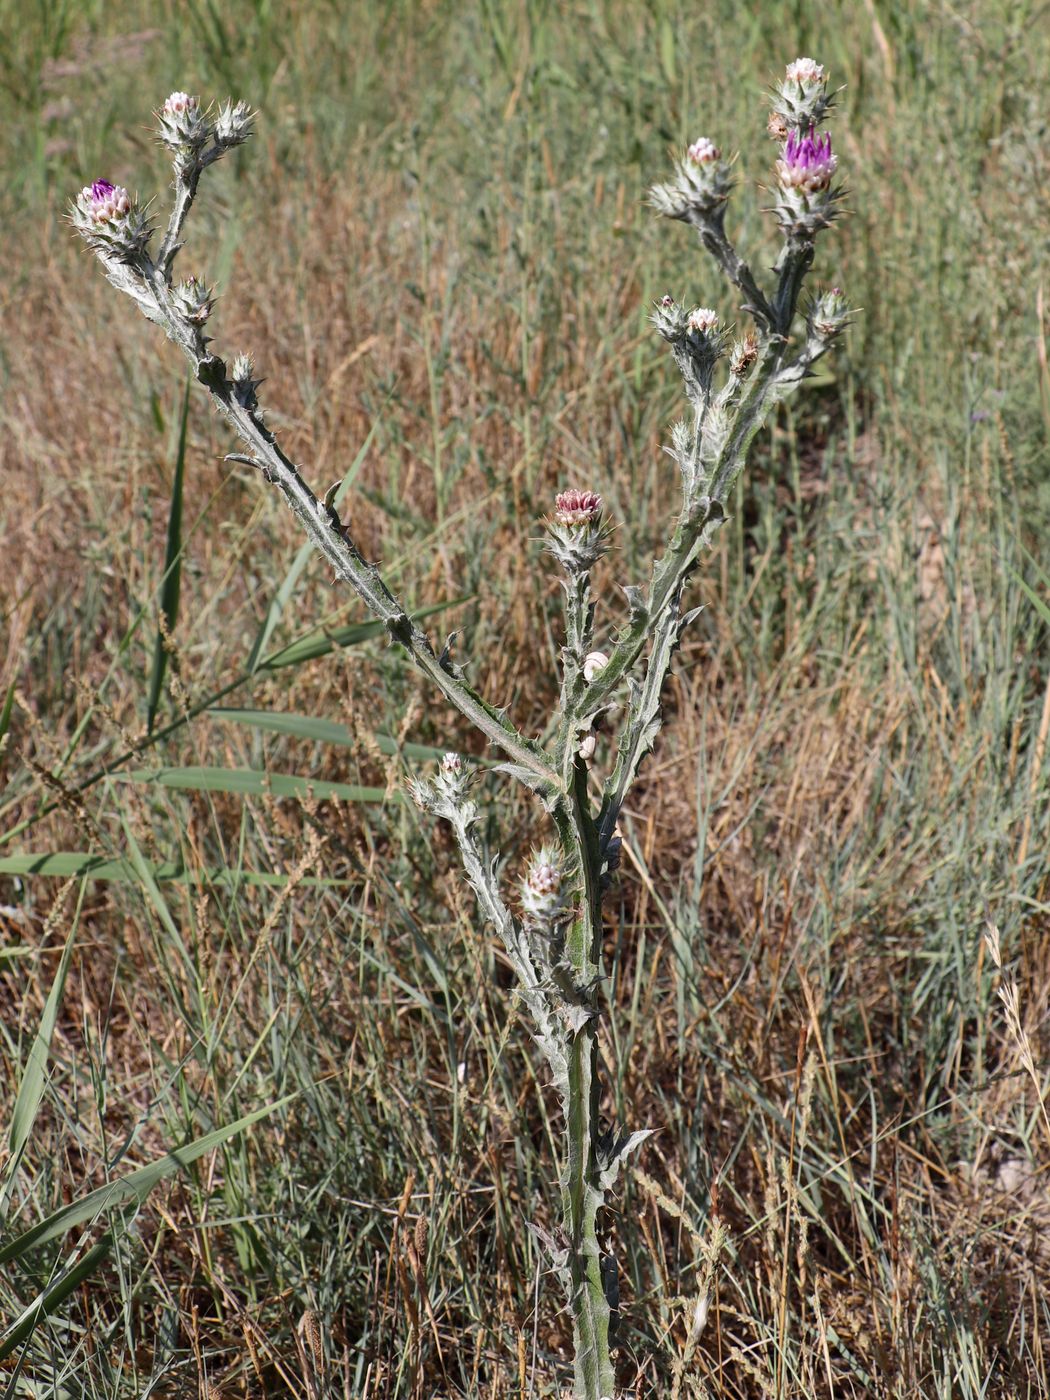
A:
(552, 932)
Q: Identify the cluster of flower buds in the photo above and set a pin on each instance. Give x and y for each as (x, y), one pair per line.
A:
(800, 99)
(182, 126)
(806, 201)
(829, 315)
(186, 128)
(111, 222)
(193, 301)
(543, 895)
(577, 530)
(700, 187)
(697, 341)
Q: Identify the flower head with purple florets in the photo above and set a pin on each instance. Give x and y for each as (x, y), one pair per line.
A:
(110, 221)
(102, 201)
(807, 163)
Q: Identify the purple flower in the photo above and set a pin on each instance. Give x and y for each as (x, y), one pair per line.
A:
(103, 202)
(807, 163)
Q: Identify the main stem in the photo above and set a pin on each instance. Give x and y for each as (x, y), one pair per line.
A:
(581, 1190)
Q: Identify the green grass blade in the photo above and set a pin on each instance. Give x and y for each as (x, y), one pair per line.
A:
(251, 782)
(169, 599)
(308, 648)
(54, 1296)
(91, 866)
(134, 1187)
(5, 713)
(321, 731)
(1041, 606)
(34, 1077)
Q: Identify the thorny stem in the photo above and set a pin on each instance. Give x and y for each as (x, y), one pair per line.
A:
(581, 1188)
(711, 228)
(334, 543)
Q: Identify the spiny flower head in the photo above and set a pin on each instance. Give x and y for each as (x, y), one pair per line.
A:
(233, 125)
(193, 300)
(696, 340)
(700, 187)
(745, 353)
(807, 163)
(452, 779)
(542, 890)
(670, 319)
(829, 314)
(242, 373)
(576, 531)
(182, 126)
(800, 99)
(110, 221)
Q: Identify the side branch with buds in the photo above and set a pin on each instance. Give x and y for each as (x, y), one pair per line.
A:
(553, 941)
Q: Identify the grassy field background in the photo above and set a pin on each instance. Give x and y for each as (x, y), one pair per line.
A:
(437, 247)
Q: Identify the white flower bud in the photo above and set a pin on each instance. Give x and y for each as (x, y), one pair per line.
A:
(703, 320)
(193, 301)
(233, 125)
(587, 746)
(182, 126)
(542, 897)
(452, 778)
(594, 662)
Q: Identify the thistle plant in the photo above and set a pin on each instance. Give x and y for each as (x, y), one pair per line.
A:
(551, 928)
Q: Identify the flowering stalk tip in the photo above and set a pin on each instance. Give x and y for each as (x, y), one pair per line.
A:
(577, 530)
(110, 221)
(800, 99)
(234, 123)
(700, 188)
(542, 890)
(804, 173)
(181, 124)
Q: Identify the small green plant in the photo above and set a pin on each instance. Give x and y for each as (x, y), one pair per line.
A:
(552, 933)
